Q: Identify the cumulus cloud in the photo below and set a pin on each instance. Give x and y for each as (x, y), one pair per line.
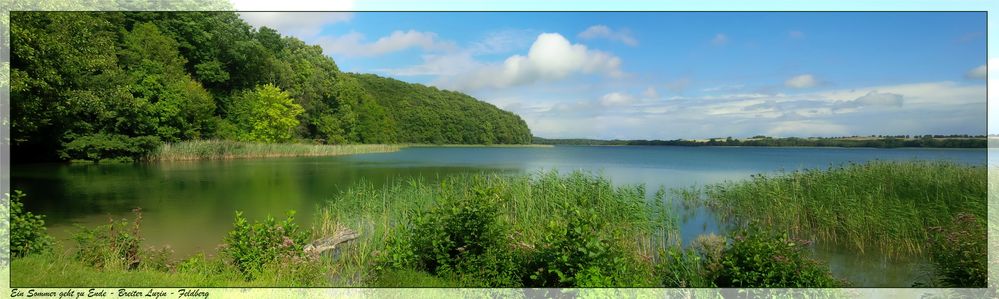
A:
(300, 24)
(551, 57)
(353, 44)
(601, 31)
(447, 64)
(979, 72)
(801, 81)
(719, 39)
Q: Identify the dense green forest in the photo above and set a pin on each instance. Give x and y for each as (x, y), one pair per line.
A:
(122, 83)
(941, 141)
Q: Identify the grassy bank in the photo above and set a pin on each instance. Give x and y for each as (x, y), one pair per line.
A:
(224, 150)
(881, 206)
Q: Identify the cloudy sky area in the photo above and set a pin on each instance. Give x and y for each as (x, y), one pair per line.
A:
(679, 75)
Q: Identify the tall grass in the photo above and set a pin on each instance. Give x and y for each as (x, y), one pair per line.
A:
(880, 206)
(225, 149)
(527, 203)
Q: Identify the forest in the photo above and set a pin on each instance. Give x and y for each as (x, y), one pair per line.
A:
(124, 83)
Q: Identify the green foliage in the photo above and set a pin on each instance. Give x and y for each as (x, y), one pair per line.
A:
(251, 247)
(99, 147)
(27, 230)
(678, 268)
(878, 205)
(265, 114)
(483, 230)
(579, 252)
(178, 75)
(960, 252)
(459, 237)
(115, 245)
(762, 259)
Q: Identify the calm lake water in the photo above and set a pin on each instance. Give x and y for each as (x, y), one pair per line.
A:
(190, 205)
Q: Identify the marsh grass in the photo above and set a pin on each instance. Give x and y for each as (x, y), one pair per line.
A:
(225, 150)
(876, 206)
(527, 204)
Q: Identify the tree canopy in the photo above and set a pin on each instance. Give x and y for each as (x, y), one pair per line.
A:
(97, 84)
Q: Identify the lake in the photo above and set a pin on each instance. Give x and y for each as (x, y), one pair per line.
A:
(190, 205)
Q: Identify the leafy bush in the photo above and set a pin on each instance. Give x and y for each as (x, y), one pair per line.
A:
(577, 252)
(678, 268)
(759, 258)
(114, 245)
(27, 230)
(460, 237)
(960, 252)
(249, 247)
(99, 147)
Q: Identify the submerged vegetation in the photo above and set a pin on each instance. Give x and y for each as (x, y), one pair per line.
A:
(117, 85)
(876, 206)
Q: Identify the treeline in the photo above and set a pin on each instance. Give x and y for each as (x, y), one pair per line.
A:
(877, 142)
(88, 85)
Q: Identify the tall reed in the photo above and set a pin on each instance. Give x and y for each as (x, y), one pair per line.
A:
(882, 206)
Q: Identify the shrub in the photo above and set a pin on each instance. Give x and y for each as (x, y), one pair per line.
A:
(249, 247)
(101, 146)
(27, 230)
(460, 237)
(114, 245)
(758, 258)
(577, 252)
(960, 252)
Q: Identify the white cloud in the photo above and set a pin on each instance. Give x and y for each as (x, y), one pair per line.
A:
(616, 99)
(447, 64)
(353, 44)
(551, 58)
(299, 24)
(601, 31)
(651, 93)
(916, 108)
(801, 81)
(874, 98)
(502, 41)
(979, 72)
(720, 39)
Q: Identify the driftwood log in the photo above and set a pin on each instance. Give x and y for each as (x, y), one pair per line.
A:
(330, 243)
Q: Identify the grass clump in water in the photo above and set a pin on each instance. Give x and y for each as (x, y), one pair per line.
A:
(883, 206)
(225, 150)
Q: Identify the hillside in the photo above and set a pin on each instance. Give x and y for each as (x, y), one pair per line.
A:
(87, 84)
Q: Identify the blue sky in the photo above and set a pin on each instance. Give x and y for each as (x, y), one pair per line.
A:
(655, 75)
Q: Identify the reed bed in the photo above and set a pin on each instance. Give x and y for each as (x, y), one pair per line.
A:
(528, 203)
(874, 206)
(225, 150)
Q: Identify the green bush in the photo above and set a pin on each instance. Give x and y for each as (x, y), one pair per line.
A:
(761, 259)
(114, 245)
(678, 268)
(99, 147)
(249, 247)
(27, 230)
(960, 252)
(460, 238)
(576, 251)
